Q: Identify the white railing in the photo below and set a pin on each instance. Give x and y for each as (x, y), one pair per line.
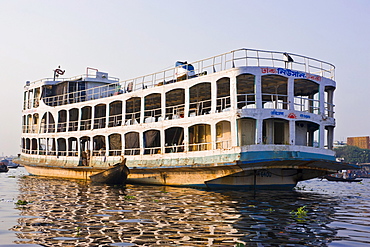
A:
(99, 122)
(200, 146)
(175, 149)
(115, 120)
(225, 144)
(329, 109)
(175, 112)
(200, 108)
(307, 105)
(73, 125)
(274, 101)
(236, 58)
(223, 103)
(246, 101)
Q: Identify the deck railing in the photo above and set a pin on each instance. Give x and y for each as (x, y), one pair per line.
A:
(236, 58)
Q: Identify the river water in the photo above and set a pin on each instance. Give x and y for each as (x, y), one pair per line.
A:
(60, 212)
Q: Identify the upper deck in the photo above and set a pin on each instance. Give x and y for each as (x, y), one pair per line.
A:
(302, 66)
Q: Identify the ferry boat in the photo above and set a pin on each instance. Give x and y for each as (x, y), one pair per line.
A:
(245, 119)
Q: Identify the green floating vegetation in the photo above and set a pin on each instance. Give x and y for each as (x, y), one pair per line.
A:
(300, 213)
(21, 202)
(129, 197)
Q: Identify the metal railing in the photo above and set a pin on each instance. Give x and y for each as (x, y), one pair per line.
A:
(115, 120)
(246, 101)
(236, 58)
(223, 103)
(225, 144)
(275, 101)
(200, 146)
(200, 108)
(306, 105)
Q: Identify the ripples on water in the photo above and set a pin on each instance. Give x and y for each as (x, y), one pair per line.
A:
(75, 213)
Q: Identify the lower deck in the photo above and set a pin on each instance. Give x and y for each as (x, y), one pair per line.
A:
(243, 167)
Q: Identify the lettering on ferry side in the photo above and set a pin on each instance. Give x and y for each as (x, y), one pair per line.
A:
(264, 173)
(277, 113)
(313, 77)
(305, 116)
(268, 70)
(289, 72)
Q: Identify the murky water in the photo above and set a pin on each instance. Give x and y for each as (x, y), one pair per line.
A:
(74, 213)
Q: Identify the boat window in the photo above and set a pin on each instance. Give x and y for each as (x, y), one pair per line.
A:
(28, 145)
(51, 147)
(223, 135)
(73, 120)
(152, 108)
(175, 104)
(133, 106)
(24, 124)
(36, 99)
(174, 140)
(72, 146)
(152, 142)
(200, 99)
(34, 146)
(29, 123)
(274, 92)
(200, 137)
(51, 123)
(306, 96)
(115, 114)
(99, 116)
(62, 147)
(35, 123)
(99, 146)
(246, 95)
(62, 121)
(223, 94)
(85, 118)
(132, 143)
(115, 145)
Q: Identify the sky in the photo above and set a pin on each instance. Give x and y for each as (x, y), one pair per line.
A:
(129, 38)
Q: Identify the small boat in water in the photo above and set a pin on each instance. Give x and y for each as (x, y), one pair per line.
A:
(116, 174)
(3, 167)
(341, 178)
(9, 163)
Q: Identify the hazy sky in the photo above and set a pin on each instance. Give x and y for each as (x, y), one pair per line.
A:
(132, 38)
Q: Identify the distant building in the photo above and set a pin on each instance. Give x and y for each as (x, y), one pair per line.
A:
(361, 142)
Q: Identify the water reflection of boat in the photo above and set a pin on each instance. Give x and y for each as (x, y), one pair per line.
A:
(65, 212)
(245, 119)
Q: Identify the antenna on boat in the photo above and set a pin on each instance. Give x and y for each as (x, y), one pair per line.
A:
(58, 72)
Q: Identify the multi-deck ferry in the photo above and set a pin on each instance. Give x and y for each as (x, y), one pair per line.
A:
(242, 119)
